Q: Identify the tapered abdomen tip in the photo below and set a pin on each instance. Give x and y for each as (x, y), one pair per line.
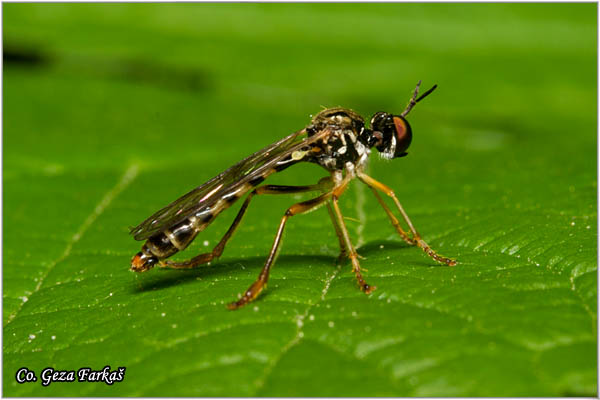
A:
(141, 262)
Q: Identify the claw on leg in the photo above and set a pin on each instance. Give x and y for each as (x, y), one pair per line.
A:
(364, 286)
(444, 260)
(250, 294)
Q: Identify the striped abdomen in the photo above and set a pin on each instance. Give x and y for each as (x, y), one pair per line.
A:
(178, 237)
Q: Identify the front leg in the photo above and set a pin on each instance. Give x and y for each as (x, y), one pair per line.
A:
(393, 218)
(416, 237)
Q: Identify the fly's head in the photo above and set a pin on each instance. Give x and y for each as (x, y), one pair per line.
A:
(391, 134)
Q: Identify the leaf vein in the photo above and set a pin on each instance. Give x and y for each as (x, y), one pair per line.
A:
(129, 175)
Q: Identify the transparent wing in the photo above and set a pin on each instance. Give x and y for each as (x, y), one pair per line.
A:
(208, 194)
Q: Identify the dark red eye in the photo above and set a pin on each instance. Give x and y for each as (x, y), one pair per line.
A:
(401, 129)
(403, 135)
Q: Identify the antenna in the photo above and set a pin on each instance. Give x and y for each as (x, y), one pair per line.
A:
(414, 100)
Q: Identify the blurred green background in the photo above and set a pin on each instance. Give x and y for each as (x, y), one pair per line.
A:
(111, 111)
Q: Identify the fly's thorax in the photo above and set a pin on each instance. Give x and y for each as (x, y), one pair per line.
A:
(344, 143)
(338, 116)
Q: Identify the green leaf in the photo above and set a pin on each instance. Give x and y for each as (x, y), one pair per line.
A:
(113, 111)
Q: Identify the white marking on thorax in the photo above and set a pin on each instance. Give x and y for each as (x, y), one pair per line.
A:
(361, 164)
(331, 162)
(361, 148)
(351, 135)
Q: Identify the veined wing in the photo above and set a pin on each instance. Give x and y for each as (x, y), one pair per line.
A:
(210, 192)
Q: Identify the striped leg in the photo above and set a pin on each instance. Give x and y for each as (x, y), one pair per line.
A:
(415, 240)
(218, 250)
(299, 208)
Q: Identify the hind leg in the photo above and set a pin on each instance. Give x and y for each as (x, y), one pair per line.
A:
(300, 208)
(220, 247)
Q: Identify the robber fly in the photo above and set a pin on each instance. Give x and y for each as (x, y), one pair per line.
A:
(337, 140)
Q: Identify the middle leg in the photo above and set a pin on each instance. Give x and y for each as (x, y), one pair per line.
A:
(364, 286)
(327, 184)
(344, 252)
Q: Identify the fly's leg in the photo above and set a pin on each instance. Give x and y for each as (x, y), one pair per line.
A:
(344, 253)
(338, 232)
(327, 184)
(415, 240)
(298, 208)
(394, 220)
(254, 290)
(364, 286)
(218, 250)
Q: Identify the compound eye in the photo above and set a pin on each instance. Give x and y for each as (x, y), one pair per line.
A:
(403, 135)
